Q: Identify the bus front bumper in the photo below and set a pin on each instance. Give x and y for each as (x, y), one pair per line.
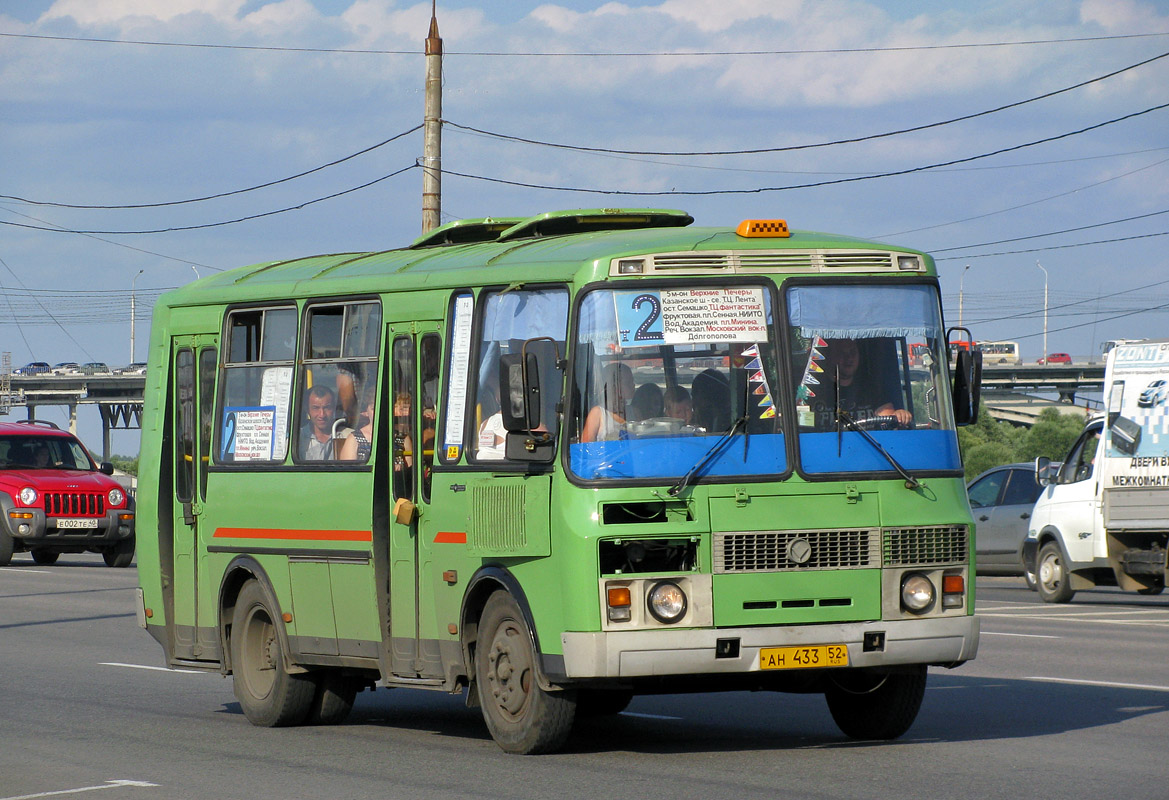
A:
(630, 654)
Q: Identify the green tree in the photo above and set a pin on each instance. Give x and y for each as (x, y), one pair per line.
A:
(985, 455)
(127, 464)
(1052, 435)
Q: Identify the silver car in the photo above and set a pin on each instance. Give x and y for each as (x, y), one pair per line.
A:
(1001, 499)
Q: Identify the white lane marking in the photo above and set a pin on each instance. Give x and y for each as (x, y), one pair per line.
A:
(1020, 635)
(1105, 684)
(106, 785)
(143, 666)
(623, 713)
(30, 572)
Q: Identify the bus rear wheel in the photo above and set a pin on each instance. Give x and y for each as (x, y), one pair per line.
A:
(333, 699)
(269, 696)
(871, 705)
(522, 717)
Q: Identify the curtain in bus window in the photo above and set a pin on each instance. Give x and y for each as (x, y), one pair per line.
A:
(856, 312)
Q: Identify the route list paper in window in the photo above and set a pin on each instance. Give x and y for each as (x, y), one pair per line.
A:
(684, 316)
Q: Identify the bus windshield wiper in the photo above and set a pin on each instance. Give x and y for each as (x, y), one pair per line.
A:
(691, 476)
(843, 416)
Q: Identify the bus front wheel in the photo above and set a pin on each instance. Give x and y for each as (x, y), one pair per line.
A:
(522, 717)
(269, 696)
(870, 705)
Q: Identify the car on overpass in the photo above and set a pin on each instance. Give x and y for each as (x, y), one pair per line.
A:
(66, 368)
(54, 499)
(1055, 358)
(33, 368)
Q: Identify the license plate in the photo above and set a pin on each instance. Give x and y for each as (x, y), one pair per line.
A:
(819, 655)
(68, 524)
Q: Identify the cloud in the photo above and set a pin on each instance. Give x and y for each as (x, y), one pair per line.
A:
(108, 12)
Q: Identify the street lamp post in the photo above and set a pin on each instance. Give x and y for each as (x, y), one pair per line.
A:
(961, 281)
(1044, 311)
(134, 281)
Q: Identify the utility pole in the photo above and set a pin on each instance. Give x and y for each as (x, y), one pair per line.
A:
(134, 281)
(432, 129)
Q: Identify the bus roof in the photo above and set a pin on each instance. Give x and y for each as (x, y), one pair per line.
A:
(555, 246)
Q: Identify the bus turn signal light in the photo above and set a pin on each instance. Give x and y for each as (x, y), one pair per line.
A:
(620, 601)
(763, 228)
(953, 591)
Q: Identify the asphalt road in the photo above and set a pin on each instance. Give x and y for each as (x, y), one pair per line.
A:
(1063, 701)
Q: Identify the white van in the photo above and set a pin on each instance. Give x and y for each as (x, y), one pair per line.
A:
(1103, 519)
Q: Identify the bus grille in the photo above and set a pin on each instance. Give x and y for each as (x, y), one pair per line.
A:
(944, 544)
(782, 551)
(497, 518)
(788, 260)
(68, 504)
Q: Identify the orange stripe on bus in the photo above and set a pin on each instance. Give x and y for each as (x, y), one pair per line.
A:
(450, 537)
(285, 533)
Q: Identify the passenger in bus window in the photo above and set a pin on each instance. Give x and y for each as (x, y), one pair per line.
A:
(677, 403)
(648, 402)
(711, 398)
(316, 440)
(858, 390)
(606, 420)
(403, 443)
(359, 442)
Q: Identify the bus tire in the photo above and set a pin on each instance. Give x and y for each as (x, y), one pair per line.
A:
(333, 699)
(869, 705)
(269, 696)
(7, 548)
(1051, 575)
(45, 557)
(120, 554)
(521, 717)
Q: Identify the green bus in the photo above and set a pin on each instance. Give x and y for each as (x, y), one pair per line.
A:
(557, 462)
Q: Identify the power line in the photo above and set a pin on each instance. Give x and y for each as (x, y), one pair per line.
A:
(763, 189)
(369, 149)
(790, 148)
(222, 222)
(632, 54)
(115, 244)
(1052, 233)
(1055, 247)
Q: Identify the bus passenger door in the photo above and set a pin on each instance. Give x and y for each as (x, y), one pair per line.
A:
(415, 356)
(193, 402)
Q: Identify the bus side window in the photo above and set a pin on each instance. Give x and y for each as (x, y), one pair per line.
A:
(337, 382)
(257, 385)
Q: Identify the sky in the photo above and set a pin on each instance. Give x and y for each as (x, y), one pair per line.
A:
(1024, 143)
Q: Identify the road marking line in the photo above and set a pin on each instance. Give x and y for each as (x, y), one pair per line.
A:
(624, 713)
(1021, 635)
(30, 572)
(106, 785)
(142, 666)
(1106, 684)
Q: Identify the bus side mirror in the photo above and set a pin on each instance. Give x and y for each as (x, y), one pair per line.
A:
(519, 394)
(967, 386)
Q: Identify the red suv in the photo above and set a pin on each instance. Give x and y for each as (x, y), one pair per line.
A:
(54, 499)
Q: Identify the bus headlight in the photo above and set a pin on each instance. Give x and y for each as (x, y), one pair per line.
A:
(667, 602)
(28, 495)
(917, 593)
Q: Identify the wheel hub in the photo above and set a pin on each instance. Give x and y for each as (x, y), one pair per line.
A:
(509, 672)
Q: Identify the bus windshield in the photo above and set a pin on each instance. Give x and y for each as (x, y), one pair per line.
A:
(870, 357)
(675, 379)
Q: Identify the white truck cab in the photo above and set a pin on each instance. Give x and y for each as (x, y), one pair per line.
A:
(1103, 518)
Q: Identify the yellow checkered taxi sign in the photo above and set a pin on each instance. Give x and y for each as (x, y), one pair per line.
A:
(763, 228)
